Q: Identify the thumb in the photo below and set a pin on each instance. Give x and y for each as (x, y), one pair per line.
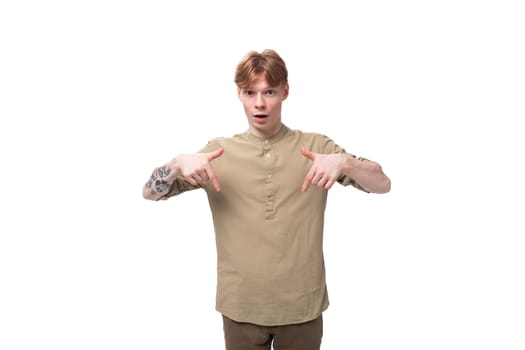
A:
(215, 154)
(307, 154)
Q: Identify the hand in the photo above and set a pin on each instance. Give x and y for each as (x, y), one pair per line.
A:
(196, 168)
(325, 170)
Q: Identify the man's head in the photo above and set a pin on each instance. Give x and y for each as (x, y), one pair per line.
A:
(262, 85)
(267, 64)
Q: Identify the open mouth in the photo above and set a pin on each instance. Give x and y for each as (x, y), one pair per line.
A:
(260, 118)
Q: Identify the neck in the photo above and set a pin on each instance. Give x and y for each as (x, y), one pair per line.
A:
(265, 134)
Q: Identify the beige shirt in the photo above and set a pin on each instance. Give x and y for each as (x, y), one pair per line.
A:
(269, 234)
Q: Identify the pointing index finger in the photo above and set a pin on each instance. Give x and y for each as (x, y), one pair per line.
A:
(215, 154)
(307, 153)
(308, 179)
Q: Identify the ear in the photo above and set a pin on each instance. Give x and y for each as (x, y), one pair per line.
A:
(286, 90)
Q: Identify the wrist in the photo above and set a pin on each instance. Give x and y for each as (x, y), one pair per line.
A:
(174, 166)
(350, 163)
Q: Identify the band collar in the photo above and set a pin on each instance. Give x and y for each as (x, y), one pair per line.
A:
(270, 140)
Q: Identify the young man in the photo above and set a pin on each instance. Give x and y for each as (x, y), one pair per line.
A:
(267, 189)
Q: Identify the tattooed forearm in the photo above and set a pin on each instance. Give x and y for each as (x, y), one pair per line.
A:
(158, 179)
(162, 171)
(162, 185)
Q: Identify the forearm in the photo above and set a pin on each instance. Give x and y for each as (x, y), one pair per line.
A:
(368, 174)
(160, 181)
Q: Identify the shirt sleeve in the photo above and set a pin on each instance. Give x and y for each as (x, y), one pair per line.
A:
(177, 187)
(328, 146)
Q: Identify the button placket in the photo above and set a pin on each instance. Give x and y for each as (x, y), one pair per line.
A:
(269, 189)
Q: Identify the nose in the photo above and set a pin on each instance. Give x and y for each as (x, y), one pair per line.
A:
(259, 102)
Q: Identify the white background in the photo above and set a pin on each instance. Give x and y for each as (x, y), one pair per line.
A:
(95, 94)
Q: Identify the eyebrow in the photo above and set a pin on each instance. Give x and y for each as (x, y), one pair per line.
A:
(264, 89)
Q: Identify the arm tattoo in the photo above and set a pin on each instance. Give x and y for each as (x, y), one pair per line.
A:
(161, 185)
(163, 171)
(157, 178)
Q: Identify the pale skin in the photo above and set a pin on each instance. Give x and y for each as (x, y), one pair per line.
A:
(194, 168)
(262, 105)
(327, 168)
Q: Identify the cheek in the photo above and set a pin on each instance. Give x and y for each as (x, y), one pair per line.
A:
(275, 105)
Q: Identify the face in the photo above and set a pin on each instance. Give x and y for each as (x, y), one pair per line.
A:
(262, 105)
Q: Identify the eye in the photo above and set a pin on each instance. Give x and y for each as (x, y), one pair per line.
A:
(270, 92)
(249, 93)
